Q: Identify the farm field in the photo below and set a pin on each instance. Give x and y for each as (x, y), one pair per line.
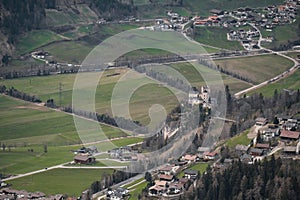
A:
(283, 35)
(26, 123)
(192, 75)
(217, 37)
(201, 7)
(200, 167)
(256, 69)
(56, 18)
(239, 139)
(291, 82)
(68, 51)
(35, 39)
(142, 99)
(63, 181)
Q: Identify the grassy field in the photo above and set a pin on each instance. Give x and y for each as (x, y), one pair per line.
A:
(63, 181)
(217, 37)
(291, 82)
(283, 34)
(137, 190)
(19, 160)
(200, 167)
(140, 102)
(239, 139)
(192, 75)
(35, 39)
(256, 68)
(201, 8)
(76, 51)
(293, 54)
(69, 51)
(59, 18)
(30, 124)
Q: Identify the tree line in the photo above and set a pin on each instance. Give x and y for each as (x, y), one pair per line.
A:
(269, 179)
(18, 94)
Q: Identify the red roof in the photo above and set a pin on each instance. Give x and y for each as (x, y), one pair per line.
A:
(167, 168)
(262, 146)
(165, 177)
(211, 154)
(289, 134)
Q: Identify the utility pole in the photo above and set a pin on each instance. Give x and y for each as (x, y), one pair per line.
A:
(60, 92)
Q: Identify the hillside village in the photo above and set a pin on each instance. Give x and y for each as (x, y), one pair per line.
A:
(278, 137)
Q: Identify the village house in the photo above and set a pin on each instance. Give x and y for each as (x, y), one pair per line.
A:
(169, 169)
(189, 158)
(262, 146)
(175, 188)
(165, 177)
(246, 158)
(210, 155)
(260, 121)
(84, 159)
(289, 150)
(289, 135)
(241, 149)
(159, 188)
(191, 174)
(256, 152)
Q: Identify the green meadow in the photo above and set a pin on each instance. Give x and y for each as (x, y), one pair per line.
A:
(62, 181)
(256, 68)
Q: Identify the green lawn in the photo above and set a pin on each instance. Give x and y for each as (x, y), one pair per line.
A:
(64, 181)
(141, 100)
(239, 139)
(69, 51)
(34, 39)
(203, 7)
(192, 75)
(30, 124)
(217, 37)
(137, 190)
(59, 18)
(200, 167)
(19, 160)
(291, 82)
(256, 68)
(283, 34)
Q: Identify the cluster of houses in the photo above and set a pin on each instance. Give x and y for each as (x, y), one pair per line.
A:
(284, 136)
(85, 155)
(173, 22)
(264, 18)
(200, 97)
(11, 194)
(117, 194)
(125, 153)
(166, 182)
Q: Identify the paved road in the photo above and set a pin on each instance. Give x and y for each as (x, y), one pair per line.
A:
(276, 78)
(34, 172)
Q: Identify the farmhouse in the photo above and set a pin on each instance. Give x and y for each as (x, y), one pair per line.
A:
(84, 159)
(290, 150)
(189, 158)
(168, 170)
(289, 135)
(191, 174)
(210, 155)
(262, 146)
(165, 177)
(256, 152)
(260, 121)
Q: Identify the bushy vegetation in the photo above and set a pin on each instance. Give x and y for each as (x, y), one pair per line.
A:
(273, 179)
